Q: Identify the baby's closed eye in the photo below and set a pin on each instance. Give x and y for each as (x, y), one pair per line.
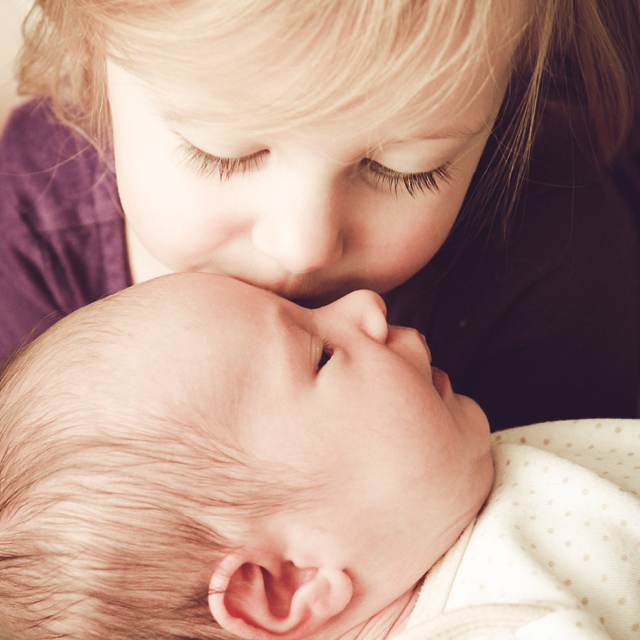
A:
(325, 356)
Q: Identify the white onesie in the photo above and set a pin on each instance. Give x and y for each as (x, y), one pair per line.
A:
(555, 552)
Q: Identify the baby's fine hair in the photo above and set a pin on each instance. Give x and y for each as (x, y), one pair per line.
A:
(581, 54)
(111, 508)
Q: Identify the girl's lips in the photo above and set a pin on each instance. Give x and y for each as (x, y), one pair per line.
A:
(440, 381)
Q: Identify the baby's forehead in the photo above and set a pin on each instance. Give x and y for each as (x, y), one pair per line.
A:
(150, 367)
(193, 323)
(179, 300)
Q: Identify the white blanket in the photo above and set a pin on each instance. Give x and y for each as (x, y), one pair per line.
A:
(555, 552)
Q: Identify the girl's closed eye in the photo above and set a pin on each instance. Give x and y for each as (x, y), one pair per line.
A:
(413, 183)
(381, 176)
(207, 164)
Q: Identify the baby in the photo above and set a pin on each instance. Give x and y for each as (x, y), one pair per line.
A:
(168, 473)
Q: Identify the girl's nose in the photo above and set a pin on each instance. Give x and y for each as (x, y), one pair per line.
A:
(302, 230)
(367, 310)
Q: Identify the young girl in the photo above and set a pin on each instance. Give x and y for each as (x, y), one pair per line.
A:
(313, 148)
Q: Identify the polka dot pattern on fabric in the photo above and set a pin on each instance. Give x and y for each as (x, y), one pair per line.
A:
(562, 523)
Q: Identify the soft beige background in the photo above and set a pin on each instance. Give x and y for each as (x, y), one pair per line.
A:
(11, 15)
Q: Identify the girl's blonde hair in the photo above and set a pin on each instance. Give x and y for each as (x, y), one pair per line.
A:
(357, 54)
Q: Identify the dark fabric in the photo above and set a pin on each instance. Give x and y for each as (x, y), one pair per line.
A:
(547, 325)
(544, 327)
(62, 241)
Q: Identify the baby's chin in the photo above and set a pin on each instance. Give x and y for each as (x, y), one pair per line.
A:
(482, 482)
(475, 490)
(476, 424)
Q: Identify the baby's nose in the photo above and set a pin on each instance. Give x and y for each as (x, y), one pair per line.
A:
(369, 312)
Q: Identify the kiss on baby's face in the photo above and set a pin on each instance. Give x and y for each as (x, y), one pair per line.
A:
(335, 393)
(214, 177)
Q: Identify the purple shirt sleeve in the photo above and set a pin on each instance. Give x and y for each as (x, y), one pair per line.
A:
(62, 242)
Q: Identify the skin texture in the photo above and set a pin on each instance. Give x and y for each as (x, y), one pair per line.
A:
(379, 464)
(308, 215)
(342, 399)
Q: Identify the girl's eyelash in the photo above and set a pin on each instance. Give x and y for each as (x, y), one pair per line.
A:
(412, 182)
(207, 164)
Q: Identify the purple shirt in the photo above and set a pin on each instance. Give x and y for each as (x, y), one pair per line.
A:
(545, 327)
(62, 242)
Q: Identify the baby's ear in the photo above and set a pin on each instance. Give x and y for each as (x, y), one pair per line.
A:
(258, 596)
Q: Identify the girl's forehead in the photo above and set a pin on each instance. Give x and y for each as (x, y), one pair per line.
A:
(445, 126)
(268, 107)
(266, 74)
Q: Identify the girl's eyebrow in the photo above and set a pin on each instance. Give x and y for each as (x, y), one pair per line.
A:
(175, 119)
(174, 115)
(444, 134)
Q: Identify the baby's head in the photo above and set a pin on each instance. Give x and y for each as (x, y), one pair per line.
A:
(195, 457)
